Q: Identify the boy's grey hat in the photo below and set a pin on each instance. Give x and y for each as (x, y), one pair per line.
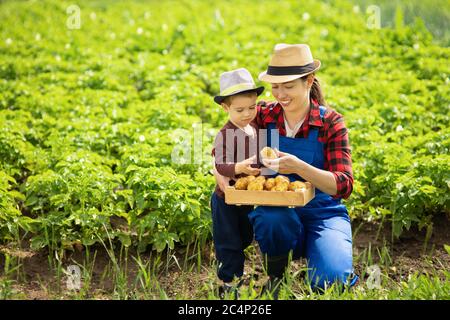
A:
(236, 81)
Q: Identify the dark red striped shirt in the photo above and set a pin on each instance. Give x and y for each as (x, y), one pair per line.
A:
(240, 148)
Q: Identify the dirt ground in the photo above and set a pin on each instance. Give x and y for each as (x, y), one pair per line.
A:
(398, 258)
(411, 252)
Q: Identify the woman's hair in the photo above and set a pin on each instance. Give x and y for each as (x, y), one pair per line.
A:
(316, 91)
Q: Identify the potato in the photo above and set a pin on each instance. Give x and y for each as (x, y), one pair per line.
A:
(260, 179)
(280, 179)
(297, 186)
(280, 187)
(269, 184)
(268, 153)
(256, 185)
(250, 178)
(241, 183)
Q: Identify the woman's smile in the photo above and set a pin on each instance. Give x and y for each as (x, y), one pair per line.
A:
(284, 103)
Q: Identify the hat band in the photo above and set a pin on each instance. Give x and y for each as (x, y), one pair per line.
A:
(237, 87)
(290, 70)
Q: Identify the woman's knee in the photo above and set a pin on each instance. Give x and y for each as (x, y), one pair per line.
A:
(277, 231)
(274, 219)
(323, 276)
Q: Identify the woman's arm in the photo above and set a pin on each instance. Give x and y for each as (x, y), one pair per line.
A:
(221, 181)
(322, 179)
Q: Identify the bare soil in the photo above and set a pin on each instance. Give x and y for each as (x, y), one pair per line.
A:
(36, 279)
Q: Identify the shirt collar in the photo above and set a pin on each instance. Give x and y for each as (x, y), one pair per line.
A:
(231, 125)
(313, 117)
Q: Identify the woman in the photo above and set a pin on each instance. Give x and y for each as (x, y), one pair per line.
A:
(313, 144)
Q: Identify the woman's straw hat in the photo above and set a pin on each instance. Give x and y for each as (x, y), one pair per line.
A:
(289, 62)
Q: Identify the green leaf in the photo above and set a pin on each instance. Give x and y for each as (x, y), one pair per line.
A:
(159, 245)
(125, 239)
(428, 189)
(447, 248)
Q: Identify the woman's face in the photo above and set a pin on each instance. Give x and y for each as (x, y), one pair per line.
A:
(291, 95)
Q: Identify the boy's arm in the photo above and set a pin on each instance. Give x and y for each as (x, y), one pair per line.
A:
(225, 158)
(226, 169)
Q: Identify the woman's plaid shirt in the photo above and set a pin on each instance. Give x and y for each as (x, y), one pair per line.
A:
(332, 132)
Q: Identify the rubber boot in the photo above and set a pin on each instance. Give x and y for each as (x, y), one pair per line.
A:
(230, 289)
(276, 266)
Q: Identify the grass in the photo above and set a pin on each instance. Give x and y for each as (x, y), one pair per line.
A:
(127, 275)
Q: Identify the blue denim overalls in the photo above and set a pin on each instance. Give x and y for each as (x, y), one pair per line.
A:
(319, 231)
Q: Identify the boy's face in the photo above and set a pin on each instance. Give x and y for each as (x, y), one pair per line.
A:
(242, 109)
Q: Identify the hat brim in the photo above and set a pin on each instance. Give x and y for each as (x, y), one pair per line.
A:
(219, 99)
(263, 76)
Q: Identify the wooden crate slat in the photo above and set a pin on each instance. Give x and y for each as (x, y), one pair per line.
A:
(270, 198)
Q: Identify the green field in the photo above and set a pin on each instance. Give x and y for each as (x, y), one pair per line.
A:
(92, 109)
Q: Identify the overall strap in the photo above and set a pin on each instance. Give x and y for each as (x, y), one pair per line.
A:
(322, 111)
(314, 132)
(270, 126)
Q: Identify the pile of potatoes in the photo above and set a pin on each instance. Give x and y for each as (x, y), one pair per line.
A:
(260, 183)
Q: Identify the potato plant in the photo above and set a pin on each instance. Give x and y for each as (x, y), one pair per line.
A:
(90, 116)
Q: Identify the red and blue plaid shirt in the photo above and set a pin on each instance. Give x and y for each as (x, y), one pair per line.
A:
(332, 132)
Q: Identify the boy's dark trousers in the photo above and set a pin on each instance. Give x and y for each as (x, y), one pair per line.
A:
(232, 233)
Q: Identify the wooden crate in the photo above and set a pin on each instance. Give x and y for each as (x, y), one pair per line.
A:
(270, 198)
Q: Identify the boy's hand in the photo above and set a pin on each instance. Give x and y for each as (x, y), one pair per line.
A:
(245, 167)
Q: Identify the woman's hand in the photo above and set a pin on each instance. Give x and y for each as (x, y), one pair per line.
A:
(286, 163)
(222, 181)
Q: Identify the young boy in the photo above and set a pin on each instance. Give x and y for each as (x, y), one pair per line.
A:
(235, 155)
